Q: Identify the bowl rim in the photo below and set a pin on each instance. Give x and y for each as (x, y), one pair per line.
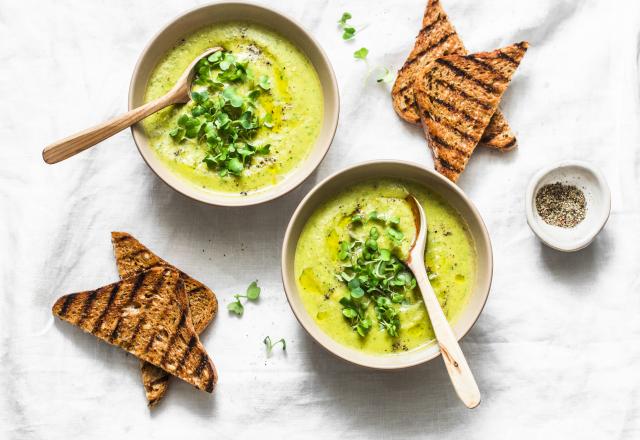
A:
(534, 224)
(271, 192)
(288, 239)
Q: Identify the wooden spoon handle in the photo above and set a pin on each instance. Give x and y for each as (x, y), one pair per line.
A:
(459, 371)
(74, 144)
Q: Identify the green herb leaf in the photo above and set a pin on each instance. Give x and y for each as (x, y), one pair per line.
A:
(344, 250)
(199, 97)
(182, 120)
(361, 53)
(227, 60)
(253, 94)
(264, 149)
(234, 165)
(248, 120)
(230, 95)
(348, 33)
(253, 291)
(264, 82)
(363, 327)
(268, 121)
(236, 307)
(395, 235)
(177, 134)
(343, 20)
(357, 292)
(349, 313)
(215, 57)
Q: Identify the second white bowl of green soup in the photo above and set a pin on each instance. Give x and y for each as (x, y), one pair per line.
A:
(343, 263)
(263, 112)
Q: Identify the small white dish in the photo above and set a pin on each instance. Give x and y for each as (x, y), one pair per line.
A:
(598, 197)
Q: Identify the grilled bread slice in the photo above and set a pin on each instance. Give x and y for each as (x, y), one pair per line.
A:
(148, 316)
(132, 258)
(437, 38)
(457, 95)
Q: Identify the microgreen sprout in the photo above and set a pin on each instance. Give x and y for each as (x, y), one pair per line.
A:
(267, 342)
(383, 74)
(361, 53)
(348, 32)
(252, 294)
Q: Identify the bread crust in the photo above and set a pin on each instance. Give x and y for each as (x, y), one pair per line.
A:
(457, 95)
(132, 258)
(437, 38)
(148, 316)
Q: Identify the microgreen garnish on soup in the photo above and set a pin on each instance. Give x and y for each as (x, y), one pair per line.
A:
(224, 119)
(373, 275)
(252, 294)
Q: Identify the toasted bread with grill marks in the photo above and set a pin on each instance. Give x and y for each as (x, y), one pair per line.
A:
(437, 38)
(132, 258)
(148, 316)
(457, 95)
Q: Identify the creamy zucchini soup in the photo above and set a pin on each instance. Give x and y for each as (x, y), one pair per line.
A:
(255, 114)
(350, 273)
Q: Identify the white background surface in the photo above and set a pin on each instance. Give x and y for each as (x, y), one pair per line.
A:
(556, 351)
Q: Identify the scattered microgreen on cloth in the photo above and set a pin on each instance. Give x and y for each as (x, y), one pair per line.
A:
(382, 74)
(270, 345)
(252, 294)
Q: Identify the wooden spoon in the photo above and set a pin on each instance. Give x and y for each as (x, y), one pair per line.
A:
(74, 144)
(459, 371)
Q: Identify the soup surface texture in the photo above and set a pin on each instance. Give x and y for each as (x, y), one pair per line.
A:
(294, 102)
(450, 261)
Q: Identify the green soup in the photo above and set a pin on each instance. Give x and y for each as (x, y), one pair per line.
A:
(295, 101)
(450, 260)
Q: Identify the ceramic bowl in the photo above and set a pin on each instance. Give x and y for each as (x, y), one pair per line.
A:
(198, 18)
(598, 197)
(332, 185)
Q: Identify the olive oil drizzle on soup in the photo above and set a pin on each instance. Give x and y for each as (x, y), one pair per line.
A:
(294, 100)
(450, 260)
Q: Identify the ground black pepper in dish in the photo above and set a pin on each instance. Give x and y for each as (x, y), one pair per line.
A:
(561, 205)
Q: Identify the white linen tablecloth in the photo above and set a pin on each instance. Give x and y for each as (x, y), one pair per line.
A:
(556, 351)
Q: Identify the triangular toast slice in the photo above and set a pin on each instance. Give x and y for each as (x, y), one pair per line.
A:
(132, 258)
(148, 316)
(457, 95)
(437, 38)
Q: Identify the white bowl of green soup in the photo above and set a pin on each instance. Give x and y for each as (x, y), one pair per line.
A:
(343, 263)
(264, 109)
